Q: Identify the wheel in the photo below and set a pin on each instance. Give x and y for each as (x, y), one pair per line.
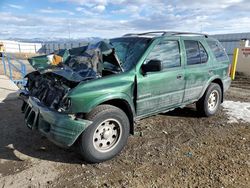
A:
(209, 104)
(106, 136)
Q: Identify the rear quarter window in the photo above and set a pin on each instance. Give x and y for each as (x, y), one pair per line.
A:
(218, 50)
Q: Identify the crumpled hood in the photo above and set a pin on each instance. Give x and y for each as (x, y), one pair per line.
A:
(77, 64)
(67, 73)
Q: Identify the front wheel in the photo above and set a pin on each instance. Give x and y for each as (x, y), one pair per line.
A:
(209, 104)
(106, 136)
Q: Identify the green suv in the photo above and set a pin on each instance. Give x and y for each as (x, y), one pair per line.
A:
(92, 95)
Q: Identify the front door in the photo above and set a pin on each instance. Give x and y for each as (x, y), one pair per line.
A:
(158, 91)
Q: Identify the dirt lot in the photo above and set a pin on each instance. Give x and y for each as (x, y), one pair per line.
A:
(176, 149)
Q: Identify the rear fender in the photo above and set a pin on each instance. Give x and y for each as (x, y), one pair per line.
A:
(208, 83)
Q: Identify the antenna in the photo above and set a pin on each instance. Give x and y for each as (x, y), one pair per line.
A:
(69, 28)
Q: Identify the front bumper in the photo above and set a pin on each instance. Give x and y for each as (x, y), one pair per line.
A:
(62, 129)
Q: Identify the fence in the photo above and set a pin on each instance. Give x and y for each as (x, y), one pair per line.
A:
(12, 65)
(51, 47)
(231, 41)
(40, 48)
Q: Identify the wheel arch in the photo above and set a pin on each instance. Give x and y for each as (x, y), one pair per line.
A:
(216, 80)
(125, 107)
(220, 83)
(119, 100)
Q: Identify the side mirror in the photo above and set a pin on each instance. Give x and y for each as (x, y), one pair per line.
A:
(153, 65)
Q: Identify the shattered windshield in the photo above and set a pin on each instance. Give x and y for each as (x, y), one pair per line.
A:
(129, 50)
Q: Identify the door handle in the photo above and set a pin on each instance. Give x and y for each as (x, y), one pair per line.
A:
(179, 77)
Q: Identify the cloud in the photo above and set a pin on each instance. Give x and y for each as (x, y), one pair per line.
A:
(56, 11)
(88, 12)
(131, 10)
(15, 6)
(84, 2)
(106, 18)
(33, 26)
(99, 8)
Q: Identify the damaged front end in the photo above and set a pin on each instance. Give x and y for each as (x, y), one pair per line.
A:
(70, 83)
(62, 129)
(45, 101)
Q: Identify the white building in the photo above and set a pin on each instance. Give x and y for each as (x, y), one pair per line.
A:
(20, 47)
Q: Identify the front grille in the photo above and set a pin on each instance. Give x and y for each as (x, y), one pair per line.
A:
(30, 115)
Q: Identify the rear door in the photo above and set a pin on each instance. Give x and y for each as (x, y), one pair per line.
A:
(196, 69)
(157, 91)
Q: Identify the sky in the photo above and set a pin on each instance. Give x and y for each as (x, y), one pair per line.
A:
(74, 19)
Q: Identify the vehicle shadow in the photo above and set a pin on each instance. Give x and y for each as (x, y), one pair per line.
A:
(188, 111)
(18, 142)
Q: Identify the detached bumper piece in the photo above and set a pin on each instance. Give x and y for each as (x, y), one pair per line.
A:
(60, 128)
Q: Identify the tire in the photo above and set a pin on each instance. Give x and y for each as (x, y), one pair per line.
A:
(106, 136)
(210, 102)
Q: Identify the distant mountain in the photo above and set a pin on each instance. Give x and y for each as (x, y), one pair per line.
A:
(57, 40)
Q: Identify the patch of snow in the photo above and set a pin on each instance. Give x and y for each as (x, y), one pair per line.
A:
(237, 111)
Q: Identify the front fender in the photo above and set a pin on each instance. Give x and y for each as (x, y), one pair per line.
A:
(120, 96)
(88, 95)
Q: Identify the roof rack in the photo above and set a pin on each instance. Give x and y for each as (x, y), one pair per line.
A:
(165, 33)
(146, 33)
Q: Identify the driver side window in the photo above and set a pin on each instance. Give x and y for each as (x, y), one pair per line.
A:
(168, 52)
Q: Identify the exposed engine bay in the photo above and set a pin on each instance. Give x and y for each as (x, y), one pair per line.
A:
(48, 88)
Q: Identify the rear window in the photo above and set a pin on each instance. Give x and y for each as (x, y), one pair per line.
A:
(196, 54)
(218, 50)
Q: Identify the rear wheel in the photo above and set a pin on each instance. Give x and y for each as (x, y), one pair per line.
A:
(209, 104)
(106, 136)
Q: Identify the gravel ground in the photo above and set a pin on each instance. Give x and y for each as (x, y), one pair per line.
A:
(176, 149)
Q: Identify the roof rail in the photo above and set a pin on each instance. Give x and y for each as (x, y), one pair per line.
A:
(146, 33)
(185, 33)
(165, 33)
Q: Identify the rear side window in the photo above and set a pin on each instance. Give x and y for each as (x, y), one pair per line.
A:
(196, 54)
(167, 52)
(218, 50)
